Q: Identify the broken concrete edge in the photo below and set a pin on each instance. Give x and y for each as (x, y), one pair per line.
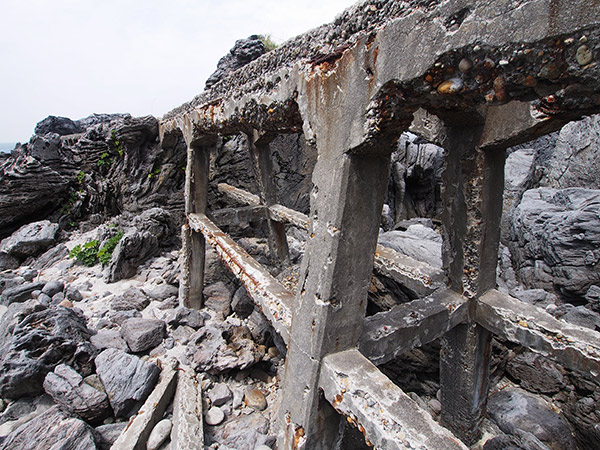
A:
(574, 347)
(188, 428)
(387, 417)
(390, 333)
(140, 426)
(268, 293)
(238, 216)
(419, 277)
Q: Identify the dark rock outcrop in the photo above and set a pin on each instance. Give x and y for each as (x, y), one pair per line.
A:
(40, 342)
(244, 51)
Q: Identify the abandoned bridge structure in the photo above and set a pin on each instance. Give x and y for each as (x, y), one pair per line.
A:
(474, 77)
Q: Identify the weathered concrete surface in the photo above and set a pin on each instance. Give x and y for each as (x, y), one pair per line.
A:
(576, 348)
(140, 426)
(269, 295)
(237, 216)
(389, 334)
(187, 432)
(387, 417)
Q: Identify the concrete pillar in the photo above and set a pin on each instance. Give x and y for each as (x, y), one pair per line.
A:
(263, 171)
(193, 245)
(346, 203)
(473, 184)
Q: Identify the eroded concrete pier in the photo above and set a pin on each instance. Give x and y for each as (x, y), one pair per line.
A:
(487, 75)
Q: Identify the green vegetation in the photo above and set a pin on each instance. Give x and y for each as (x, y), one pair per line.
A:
(86, 253)
(80, 176)
(268, 41)
(73, 197)
(105, 160)
(90, 253)
(117, 144)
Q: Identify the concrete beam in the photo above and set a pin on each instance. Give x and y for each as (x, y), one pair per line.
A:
(238, 216)
(389, 334)
(270, 296)
(140, 426)
(387, 417)
(574, 347)
(188, 430)
(419, 277)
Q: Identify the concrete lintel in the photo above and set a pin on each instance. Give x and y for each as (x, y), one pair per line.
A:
(387, 417)
(269, 295)
(238, 195)
(574, 347)
(417, 276)
(188, 430)
(138, 430)
(390, 333)
(237, 216)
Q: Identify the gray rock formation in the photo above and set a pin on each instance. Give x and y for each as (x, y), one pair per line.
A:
(106, 435)
(555, 240)
(67, 388)
(132, 298)
(519, 413)
(54, 429)
(40, 342)
(419, 242)
(29, 240)
(244, 51)
(127, 379)
(20, 293)
(143, 334)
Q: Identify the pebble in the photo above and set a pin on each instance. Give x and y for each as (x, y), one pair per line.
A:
(584, 55)
(66, 303)
(451, 86)
(255, 399)
(53, 287)
(465, 65)
(159, 434)
(214, 416)
(435, 405)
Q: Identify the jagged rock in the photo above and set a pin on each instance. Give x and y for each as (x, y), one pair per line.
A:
(578, 315)
(241, 303)
(50, 257)
(536, 373)
(60, 125)
(73, 294)
(185, 316)
(53, 429)
(143, 334)
(9, 279)
(525, 441)
(574, 161)
(555, 240)
(106, 435)
(220, 394)
(517, 413)
(132, 298)
(519, 175)
(128, 380)
(30, 240)
(593, 298)
(418, 242)
(19, 294)
(584, 415)
(40, 342)
(244, 51)
(155, 227)
(217, 297)
(118, 317)
(108, 339)
(67, 388)
(159, 434)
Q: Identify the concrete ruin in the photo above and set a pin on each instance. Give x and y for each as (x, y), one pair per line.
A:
(475, 77)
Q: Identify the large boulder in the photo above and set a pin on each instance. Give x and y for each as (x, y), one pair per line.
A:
(143, 334)
(128, 380)
(53, 429)
(40, 342)
(29, 240)
(418, 241)
(555, 240)
(67, 388)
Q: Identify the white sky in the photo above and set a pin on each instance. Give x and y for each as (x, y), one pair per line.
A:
(73, 58)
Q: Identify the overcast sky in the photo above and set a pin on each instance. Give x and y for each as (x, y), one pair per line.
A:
(76, 57)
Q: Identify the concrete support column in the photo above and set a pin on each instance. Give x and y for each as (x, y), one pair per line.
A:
(263, 171)
(193, 245)
(473, 184)
(346, 203)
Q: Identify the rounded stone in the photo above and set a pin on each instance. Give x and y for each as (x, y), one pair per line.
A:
(254, 398)
(214, 416)
(435, 405)
(66, 303)
(584, 55)
(465, 65)
(52, 288)
(451, 86)
(159, 434)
